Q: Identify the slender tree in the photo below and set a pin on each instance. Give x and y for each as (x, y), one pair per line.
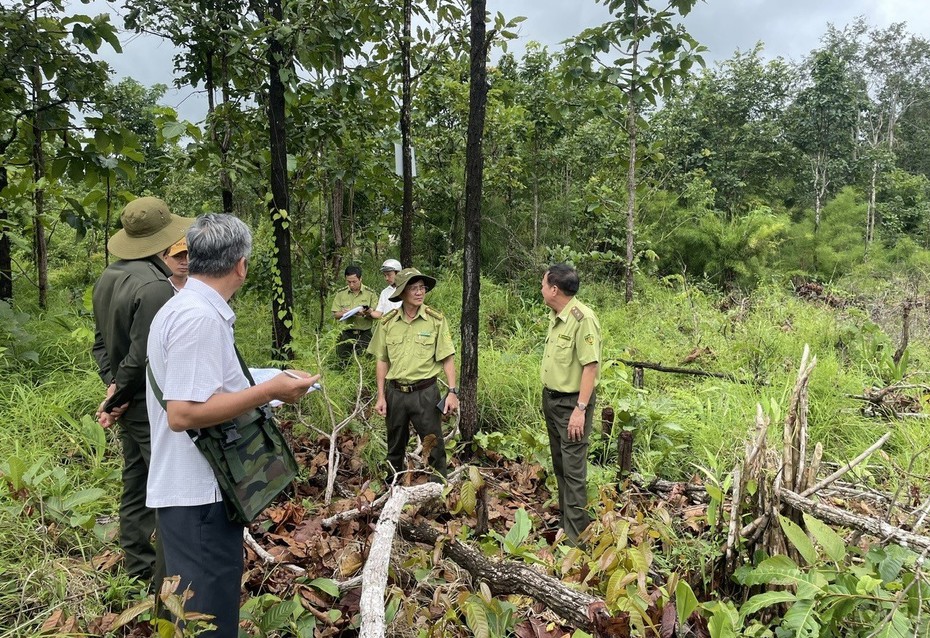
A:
(474, 167)
(642, 52)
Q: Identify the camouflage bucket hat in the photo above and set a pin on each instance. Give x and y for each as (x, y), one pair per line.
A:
(409, 275)
(149, 228)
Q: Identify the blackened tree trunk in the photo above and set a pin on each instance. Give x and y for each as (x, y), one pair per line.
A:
(406, 226)
(40, 245)
(282, 304)
(474, 172)
(6, 256)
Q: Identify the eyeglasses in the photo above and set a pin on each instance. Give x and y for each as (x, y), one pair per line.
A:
(417, 288)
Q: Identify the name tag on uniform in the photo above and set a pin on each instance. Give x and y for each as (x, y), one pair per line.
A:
(566, 337)
(425, 334)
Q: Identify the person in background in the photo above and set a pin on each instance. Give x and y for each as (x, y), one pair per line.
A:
(176, 258)
(412, 346)
(356, 332)
(194, 362)
(389, 269)
(125, 299)
(570, 368)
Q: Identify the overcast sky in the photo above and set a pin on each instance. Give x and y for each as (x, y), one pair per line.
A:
(788, 28)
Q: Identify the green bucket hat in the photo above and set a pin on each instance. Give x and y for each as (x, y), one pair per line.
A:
(409, 275)
(148, 229)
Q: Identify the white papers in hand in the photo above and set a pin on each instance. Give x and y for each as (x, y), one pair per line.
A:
(264, 374)
(349, 313)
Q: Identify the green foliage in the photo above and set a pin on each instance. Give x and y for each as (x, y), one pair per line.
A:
(841, 591)
(488, 617)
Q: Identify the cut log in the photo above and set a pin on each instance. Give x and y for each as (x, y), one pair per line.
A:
(578, 609)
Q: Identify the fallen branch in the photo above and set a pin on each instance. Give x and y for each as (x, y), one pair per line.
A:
(658, 367)
(869, 524)
(846, 468)
(267, 558)
(577, 608)
(374, 575)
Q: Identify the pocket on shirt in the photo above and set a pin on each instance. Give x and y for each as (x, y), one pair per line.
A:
(426, 341)
(564, 351)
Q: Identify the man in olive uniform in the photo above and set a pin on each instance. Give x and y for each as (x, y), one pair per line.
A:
(569, 376)
(356, 332)
(412, 345)
(126, 297)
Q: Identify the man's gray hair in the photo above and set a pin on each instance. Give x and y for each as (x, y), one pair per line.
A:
(215, 244)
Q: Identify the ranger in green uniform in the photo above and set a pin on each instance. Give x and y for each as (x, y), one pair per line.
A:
(412, 345)
(570, 367)
(356, 333)
(126, 297)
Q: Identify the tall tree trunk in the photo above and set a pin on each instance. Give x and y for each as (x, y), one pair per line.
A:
(870, 214)
(337, 199)
(282, 303)
(631, 170)
(406, 226)
(535, 198)
(6, 254)
(471, 277)
(40, 246)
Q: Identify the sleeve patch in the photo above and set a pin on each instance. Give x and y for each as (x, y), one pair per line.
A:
(589, 339)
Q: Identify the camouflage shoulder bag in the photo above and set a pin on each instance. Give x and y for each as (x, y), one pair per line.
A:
(250, 458)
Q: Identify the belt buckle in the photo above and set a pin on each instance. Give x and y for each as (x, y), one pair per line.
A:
(406, 389)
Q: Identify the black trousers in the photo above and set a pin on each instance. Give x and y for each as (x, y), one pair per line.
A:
(419, 408)
(352, 341)
(204, 548)
(136, 521)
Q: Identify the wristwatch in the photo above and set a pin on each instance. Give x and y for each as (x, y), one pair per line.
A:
(581, 406)
(453, 391)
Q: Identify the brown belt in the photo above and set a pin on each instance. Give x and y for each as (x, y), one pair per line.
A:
(407, 388)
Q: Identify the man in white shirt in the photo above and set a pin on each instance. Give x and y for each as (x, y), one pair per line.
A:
(389, 269)
(194, 362)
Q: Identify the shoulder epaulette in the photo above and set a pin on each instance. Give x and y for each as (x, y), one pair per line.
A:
(434, 313)
(390, 315)
(577, 314)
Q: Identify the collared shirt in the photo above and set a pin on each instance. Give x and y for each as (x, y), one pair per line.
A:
(385, 305)
(126, 297)
(573, 341)
(345, 299)
(192, 355)
(414, 350)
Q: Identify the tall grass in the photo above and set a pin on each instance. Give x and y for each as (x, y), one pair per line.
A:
(60, 474)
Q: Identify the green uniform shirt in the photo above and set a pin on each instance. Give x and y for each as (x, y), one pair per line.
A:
(345, 299)
(415, 350)
(573, 341)
(126, 298)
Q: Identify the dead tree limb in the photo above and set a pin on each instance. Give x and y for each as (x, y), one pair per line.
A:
(267, 558)
(577, 608)
(846, 468)
(868, 524)
(658, 367)
(375, 573)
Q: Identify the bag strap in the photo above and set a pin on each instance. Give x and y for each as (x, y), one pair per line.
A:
(160, 397)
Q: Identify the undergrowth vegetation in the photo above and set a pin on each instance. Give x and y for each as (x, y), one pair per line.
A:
(59, 472)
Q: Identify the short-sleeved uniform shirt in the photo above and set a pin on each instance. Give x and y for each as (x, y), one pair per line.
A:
(192, 354)
(573, 341)
(345, 299)
(415, 350)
